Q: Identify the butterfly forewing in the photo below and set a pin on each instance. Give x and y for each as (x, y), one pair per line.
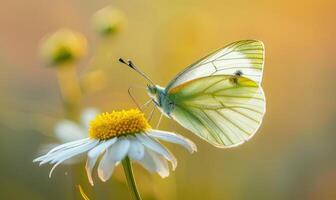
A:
(245, 57)
(224, 110)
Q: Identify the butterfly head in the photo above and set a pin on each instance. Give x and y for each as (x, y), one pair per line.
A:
(152, 91)
(156, 93)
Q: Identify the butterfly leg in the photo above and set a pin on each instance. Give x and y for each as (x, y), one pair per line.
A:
(158, 123)
(145, 105)
(151, 114)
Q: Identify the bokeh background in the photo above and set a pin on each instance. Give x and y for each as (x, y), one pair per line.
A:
(291, 157)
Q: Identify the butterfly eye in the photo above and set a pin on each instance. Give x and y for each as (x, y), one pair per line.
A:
(171, 105)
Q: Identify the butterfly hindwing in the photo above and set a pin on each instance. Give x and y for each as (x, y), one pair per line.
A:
(224, 110)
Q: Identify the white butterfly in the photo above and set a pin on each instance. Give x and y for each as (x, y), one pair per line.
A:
(219, 98)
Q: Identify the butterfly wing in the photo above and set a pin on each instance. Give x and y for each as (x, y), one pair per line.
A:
(224, 110)
(245, 57)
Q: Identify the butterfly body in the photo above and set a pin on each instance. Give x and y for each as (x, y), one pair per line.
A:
(161, 99)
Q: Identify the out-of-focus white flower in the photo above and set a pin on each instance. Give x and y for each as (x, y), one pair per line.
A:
(115, 135)
(67, 131)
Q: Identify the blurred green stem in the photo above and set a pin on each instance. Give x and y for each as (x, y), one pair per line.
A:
(70, 90)
(102, 57)
(130, 179)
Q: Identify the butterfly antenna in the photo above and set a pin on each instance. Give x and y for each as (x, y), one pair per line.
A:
(133, 99)
(130, 64)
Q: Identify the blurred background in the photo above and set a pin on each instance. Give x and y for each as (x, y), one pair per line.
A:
(291, 157)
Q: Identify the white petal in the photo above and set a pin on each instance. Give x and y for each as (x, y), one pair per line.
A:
(162, 165)
(87, 115)
(69, 145)
(71, 152)
(158, 148)
(93, 155)
(113, 156)
(61, 148)
(148, 162)
(136, 149)
(45, 148)
(74, 151)
(55, 157)
(174, 138)
(67, 131)
(154, 162)
(62, 156)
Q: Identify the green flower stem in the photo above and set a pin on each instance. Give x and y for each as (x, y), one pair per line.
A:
(70, 89)
(130, 179)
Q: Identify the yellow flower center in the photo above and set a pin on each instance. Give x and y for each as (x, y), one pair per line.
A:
(118, 123)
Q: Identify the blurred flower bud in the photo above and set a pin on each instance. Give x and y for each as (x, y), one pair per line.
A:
(108, 21)
(63, 46)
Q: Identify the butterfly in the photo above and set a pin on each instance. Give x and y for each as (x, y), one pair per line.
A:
(219, 98)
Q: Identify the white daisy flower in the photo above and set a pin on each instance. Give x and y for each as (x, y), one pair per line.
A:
(118, 135)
